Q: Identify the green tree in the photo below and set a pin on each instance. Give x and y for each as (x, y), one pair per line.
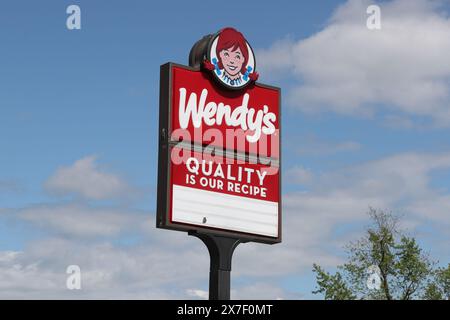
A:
(384, 264)
(439, 287)
(332, 286)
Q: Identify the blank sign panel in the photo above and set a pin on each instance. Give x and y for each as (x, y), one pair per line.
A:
(224, 211)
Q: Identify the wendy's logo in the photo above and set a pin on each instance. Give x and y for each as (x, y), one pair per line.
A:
(231, 59)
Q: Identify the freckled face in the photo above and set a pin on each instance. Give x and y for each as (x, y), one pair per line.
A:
(232, 60)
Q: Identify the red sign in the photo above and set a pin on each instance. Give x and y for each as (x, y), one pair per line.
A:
(219, 151)
(244, 179)
(240, 196)
(202, 112)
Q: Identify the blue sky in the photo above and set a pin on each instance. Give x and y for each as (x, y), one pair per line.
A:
(366, 122)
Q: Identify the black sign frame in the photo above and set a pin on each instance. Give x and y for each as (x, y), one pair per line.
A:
(164, 168)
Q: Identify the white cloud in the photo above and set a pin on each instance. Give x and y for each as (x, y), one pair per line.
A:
(435, 207)
(146, 271)
(198, 294)
(166, 264)
(262, 291)
(349, 69)
(298, 175)
(81, 221)
(311, 145)
(402, 177)
(8, 256)
(85, 179)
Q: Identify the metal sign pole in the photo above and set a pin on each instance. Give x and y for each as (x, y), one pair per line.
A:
(221, 252)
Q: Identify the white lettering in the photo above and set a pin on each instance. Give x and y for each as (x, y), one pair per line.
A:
(192, 169)
(243, 117)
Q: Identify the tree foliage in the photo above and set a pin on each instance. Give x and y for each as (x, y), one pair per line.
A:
(385, 264)
(332, 286)
(439, 287)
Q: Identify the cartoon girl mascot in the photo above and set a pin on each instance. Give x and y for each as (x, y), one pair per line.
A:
(230, 59)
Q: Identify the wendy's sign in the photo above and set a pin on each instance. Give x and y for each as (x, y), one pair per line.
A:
(219, 147)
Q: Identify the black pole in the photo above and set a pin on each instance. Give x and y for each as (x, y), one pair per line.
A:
(221, 252)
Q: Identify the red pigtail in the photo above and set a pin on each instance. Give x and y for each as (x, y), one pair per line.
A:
(253, 76)
(208, 65)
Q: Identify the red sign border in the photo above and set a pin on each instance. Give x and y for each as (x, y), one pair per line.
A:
(164, 193)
